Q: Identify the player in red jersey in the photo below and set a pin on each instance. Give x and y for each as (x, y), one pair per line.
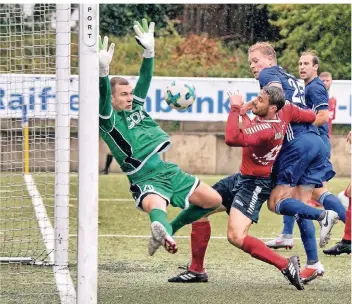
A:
(244, 193)
(344, 246)
(326, 78)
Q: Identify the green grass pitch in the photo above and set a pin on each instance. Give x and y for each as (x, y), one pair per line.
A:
(128, 275)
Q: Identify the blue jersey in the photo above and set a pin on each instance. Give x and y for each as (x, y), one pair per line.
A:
(294, 93)
(317, 99)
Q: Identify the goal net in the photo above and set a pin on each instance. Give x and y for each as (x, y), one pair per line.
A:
(39, 97)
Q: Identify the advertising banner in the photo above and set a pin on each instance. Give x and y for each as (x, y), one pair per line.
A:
(36, 95)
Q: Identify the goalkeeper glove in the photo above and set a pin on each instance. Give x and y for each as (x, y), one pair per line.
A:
(145, 37)
(105, 56)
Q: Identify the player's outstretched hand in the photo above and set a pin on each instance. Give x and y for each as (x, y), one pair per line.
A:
(145, 37)
(105, 56)
(236, 99)
(349, 137)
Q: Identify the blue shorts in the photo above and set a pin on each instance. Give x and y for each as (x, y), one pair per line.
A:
(327, 144)
(245, 193)
(303, 161)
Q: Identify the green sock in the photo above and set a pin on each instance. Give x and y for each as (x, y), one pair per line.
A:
(185, 217)
(157, 215)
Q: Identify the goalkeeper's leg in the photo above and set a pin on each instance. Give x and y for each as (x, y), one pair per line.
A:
(193, 213)
(203, 201)
(161, 229)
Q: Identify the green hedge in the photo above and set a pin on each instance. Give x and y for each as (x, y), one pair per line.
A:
(192, 56)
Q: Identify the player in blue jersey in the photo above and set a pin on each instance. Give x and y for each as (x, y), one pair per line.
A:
(301, 165)
(262, 59)
(316, 98)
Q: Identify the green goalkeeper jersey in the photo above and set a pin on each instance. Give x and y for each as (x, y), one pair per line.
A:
(132, 136)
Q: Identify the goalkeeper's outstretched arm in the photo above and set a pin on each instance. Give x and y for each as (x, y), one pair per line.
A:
(105, 57)
(145, 38)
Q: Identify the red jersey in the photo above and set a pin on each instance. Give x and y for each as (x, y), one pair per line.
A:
(332, 113)
(262, 139)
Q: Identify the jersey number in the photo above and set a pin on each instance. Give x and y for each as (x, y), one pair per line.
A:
(272, 154)
(125, 147)
(298, 95)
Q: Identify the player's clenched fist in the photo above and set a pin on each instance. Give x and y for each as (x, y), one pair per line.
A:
(145, 37)
(105, 56)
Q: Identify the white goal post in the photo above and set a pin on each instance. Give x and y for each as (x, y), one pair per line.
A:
(87, 271)
(49, 135)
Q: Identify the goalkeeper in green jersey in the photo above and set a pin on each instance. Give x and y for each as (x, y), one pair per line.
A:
(136, 141)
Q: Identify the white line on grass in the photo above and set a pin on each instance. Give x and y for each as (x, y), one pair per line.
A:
(43, 220)
(116, 200)
(101, 199)
(130, 236)
(62, 274)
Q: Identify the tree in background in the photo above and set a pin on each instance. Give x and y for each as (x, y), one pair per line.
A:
(232, 23)
(292, 28)
(326, 28)
(197, 40)
(117, 19)
(235, 24)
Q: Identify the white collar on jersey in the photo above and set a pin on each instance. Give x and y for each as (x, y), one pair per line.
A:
(270, 120)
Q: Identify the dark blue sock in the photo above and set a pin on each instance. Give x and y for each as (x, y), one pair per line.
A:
(307, 230)
(331, 202)
(289, 222)
(292, 207)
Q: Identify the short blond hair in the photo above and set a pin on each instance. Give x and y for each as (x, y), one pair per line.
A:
(325, 74)
(265, 48)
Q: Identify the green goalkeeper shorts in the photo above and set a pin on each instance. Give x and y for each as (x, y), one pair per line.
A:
(169, 182)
